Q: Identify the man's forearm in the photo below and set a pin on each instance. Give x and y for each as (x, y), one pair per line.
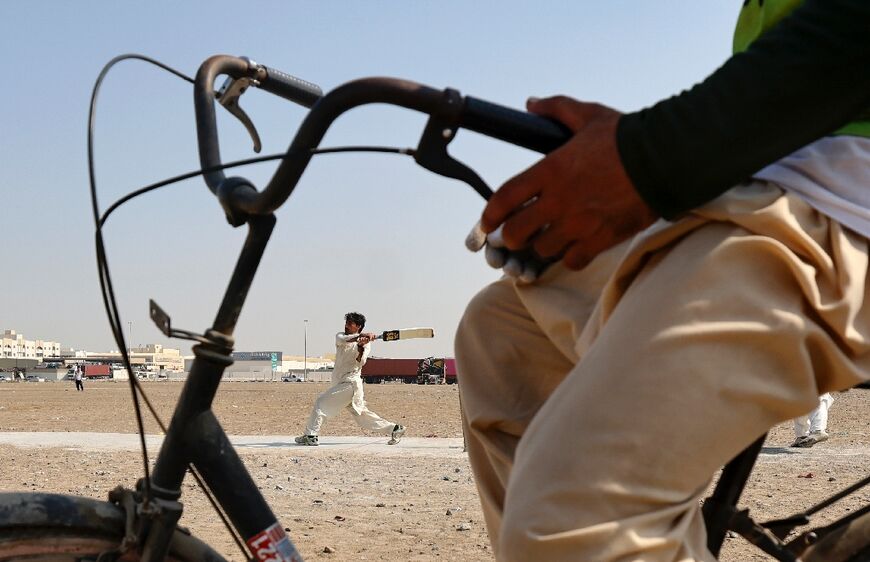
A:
(802, 80)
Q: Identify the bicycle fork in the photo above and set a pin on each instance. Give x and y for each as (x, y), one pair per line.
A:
(196, 437)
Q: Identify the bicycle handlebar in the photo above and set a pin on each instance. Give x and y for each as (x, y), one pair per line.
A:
(290, 87)
(239, 197)
(516, 127)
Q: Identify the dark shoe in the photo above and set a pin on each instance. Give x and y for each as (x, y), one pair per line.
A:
(814, 437)
(397, 434)
(310, 440)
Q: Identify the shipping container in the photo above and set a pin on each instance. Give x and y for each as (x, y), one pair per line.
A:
(450, 370)
(97, 372)
(380, 369)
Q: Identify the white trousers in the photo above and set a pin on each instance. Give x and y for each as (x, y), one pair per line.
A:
(817, 420)
(348, 396)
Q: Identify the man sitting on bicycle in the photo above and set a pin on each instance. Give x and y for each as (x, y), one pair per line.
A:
(595, 398)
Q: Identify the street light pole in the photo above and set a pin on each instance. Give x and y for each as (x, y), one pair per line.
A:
(305, 350)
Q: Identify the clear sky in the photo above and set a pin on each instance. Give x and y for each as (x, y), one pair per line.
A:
(372, 233)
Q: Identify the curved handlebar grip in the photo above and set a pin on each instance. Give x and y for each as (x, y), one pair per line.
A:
(290, 88)
(516, 127)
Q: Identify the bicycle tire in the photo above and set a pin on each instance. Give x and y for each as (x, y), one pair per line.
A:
(850, 543)
(59, 528)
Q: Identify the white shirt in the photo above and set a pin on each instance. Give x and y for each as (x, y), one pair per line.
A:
(347, 368)
(832, 175)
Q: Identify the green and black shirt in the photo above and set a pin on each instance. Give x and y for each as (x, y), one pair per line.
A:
(801, 71)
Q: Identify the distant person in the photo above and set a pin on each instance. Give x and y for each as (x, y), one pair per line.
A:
(352, 348)
(812, 428)
(78, 378)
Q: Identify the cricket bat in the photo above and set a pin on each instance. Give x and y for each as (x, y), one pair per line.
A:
(406, 334)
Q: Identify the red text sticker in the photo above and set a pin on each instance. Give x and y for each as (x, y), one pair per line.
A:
(272, 545)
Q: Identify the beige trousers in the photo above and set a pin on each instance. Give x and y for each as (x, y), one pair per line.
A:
(599, 403)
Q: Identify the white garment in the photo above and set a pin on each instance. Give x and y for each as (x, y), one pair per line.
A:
(347, 367)
(347, 395)
(817, 420)
(347, 390)
(832, 175)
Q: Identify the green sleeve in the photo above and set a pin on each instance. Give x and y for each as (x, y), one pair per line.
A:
(806, 77)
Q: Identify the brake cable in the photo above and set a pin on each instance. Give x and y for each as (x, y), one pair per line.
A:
(107, 289)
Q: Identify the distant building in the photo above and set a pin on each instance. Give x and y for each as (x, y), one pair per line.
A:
(249, 365)
(153, 358)
(13, 345)
(271, 365)
(297, 363)
(70, 353)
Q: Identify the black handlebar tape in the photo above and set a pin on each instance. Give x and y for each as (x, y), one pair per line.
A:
(291, 88)
(517, 127)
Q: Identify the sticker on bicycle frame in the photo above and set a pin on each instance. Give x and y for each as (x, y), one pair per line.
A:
(273, 545)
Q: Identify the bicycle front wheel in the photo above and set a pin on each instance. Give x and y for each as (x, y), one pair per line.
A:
(57, 528)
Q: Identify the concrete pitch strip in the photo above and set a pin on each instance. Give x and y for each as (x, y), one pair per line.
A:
(409, 446)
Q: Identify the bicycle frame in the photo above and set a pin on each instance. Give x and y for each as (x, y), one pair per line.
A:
(721, 514)
(195, 430)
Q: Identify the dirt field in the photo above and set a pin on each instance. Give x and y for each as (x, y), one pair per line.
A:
(360, 506)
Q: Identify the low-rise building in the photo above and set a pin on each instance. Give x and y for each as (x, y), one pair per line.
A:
(294, 363)
(272, 366)
(14, 345)
(152, 358)
(16, 352)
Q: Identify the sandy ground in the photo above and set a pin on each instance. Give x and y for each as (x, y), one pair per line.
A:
(365, 503)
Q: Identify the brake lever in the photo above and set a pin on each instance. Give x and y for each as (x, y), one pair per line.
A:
(432, 152)
(229, 95)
